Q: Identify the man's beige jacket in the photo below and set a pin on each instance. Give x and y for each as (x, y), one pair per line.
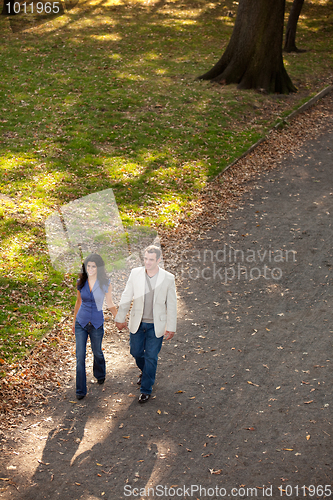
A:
(165, 301)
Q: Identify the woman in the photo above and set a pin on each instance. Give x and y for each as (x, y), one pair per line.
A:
(92, 286)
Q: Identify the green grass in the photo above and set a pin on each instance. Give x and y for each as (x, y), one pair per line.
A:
(105, 96)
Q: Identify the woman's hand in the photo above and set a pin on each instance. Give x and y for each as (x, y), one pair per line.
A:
(109, 302)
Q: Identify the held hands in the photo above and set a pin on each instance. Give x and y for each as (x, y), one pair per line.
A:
(168, 335)
(120, 326)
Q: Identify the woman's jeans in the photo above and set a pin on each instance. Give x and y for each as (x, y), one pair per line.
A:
(144, 347)
(81, 337)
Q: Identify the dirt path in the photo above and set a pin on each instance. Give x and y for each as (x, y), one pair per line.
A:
(244, 392)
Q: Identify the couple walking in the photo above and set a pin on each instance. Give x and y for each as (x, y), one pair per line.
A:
(152, 318)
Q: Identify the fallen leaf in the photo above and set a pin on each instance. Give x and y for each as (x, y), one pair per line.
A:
(213, 471)
(159, 412)
(251, 383)
(178, 392)
(308, 437)
(126, 437)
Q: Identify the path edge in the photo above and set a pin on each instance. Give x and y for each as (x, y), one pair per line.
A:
(282, 122)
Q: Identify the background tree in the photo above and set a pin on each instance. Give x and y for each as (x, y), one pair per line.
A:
(290, 39)
(253, 57)
(8, 8)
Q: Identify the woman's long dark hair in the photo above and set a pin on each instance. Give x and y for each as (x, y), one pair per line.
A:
(101, 274)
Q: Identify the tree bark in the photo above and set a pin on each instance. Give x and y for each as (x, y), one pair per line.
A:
(253, 57)
(290, 39)
(8, 11)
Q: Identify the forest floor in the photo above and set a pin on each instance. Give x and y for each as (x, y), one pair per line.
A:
(105, 97)
(242, 403)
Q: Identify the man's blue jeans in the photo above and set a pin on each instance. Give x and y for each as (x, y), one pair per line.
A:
(144, 347)
(81, 337)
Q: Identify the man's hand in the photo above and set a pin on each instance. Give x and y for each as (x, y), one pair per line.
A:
(120, 326)
(168, 335)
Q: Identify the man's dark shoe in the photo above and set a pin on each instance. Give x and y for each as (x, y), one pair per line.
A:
(79, 396)
(139, 379)
(144, 398)
(101, 381)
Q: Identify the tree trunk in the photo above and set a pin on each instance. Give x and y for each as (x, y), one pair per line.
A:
(290, 40)
(8, 10)
(253, 57)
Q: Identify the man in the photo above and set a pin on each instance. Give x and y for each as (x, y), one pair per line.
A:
(153, 315)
